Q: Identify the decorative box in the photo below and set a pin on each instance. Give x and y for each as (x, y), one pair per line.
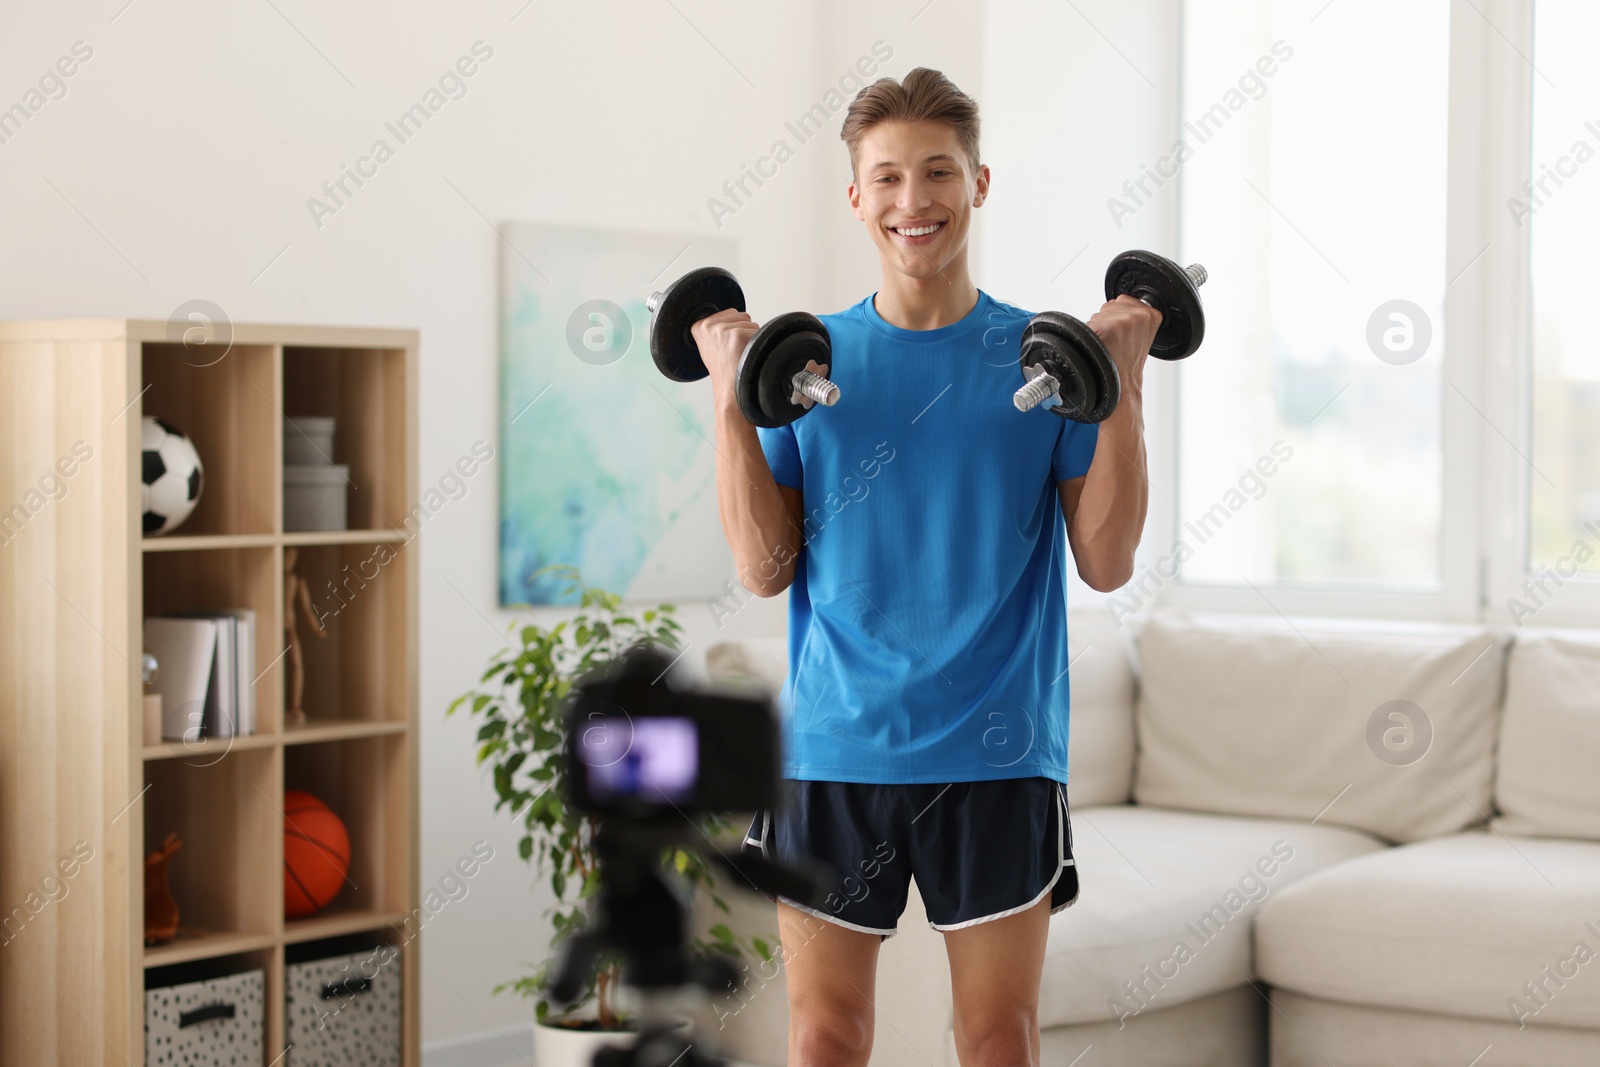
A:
(210, 1023)
(344, 1010)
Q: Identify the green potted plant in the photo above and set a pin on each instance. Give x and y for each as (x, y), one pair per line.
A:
(520, 701)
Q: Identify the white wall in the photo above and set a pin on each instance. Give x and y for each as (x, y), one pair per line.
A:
(1076, 98)
(179, 162)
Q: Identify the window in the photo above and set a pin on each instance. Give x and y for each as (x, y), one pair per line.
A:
(1309, 438)
(1396, 411)
(1559, 210)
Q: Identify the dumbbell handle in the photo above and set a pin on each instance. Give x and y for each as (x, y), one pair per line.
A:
(1041, 388)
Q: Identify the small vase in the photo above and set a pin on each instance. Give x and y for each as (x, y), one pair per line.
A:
(160, 909)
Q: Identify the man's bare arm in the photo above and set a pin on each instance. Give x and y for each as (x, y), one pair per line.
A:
(1105, 510)
(761, 519)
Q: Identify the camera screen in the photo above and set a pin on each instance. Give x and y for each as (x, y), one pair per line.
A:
(647, 757)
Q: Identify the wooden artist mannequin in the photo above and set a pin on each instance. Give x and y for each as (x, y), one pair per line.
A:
(296, 597)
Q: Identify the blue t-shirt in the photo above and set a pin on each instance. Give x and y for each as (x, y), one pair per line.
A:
(927, 620)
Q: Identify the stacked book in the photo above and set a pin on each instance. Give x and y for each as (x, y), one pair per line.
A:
(206, 672)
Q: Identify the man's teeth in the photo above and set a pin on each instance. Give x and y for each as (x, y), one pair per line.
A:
(916, 231)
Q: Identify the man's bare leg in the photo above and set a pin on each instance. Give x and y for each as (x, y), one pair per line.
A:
(994, 977)
(831, 973)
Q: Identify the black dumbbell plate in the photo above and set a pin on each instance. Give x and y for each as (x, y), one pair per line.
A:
(1077, 358)
(778, 351)
(701, 292)
(1169, 288)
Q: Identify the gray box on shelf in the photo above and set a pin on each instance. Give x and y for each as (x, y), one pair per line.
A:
(217, 1021)
(314, 497)
(314, 487)
(307, 440)
(345, 1010)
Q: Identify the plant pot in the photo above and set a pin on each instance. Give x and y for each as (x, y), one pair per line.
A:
(564, 1046)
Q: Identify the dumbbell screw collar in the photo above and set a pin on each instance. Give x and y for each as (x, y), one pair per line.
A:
(1040, 388)
(812, 383)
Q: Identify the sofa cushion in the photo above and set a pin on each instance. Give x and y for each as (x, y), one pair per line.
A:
(1476, 924)
(1100, 733)
(1100, 755)
(1165, 902)
(1264, 716)
(762, 662)
(1546, 783)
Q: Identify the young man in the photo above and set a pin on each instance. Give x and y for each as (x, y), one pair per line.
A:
(916, 525)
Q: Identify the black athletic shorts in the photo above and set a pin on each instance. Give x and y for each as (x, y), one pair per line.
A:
(978, 850)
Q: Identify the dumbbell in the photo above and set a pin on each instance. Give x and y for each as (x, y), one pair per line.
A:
(784, 368)
(1063, 357)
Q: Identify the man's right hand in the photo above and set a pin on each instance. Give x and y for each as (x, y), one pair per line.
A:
(722, 339)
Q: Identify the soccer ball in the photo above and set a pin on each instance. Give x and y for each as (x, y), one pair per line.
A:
(172, 475)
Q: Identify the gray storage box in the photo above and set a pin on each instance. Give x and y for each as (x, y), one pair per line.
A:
(314, 497)
(344, 1011)
(307, 440)
(200, 1024)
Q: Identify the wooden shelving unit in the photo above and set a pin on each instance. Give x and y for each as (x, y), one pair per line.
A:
(76, 580)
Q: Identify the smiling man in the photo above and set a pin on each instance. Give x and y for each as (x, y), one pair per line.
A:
(926, 705)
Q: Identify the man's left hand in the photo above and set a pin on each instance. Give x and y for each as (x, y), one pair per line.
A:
(1128, 328)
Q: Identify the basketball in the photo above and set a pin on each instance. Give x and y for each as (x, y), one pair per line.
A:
(316, 854)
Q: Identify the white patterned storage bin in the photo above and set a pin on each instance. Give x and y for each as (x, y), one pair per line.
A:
(344, 1010)
(214, 1023)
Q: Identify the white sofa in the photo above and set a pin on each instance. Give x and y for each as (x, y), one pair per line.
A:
(1276, 870)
